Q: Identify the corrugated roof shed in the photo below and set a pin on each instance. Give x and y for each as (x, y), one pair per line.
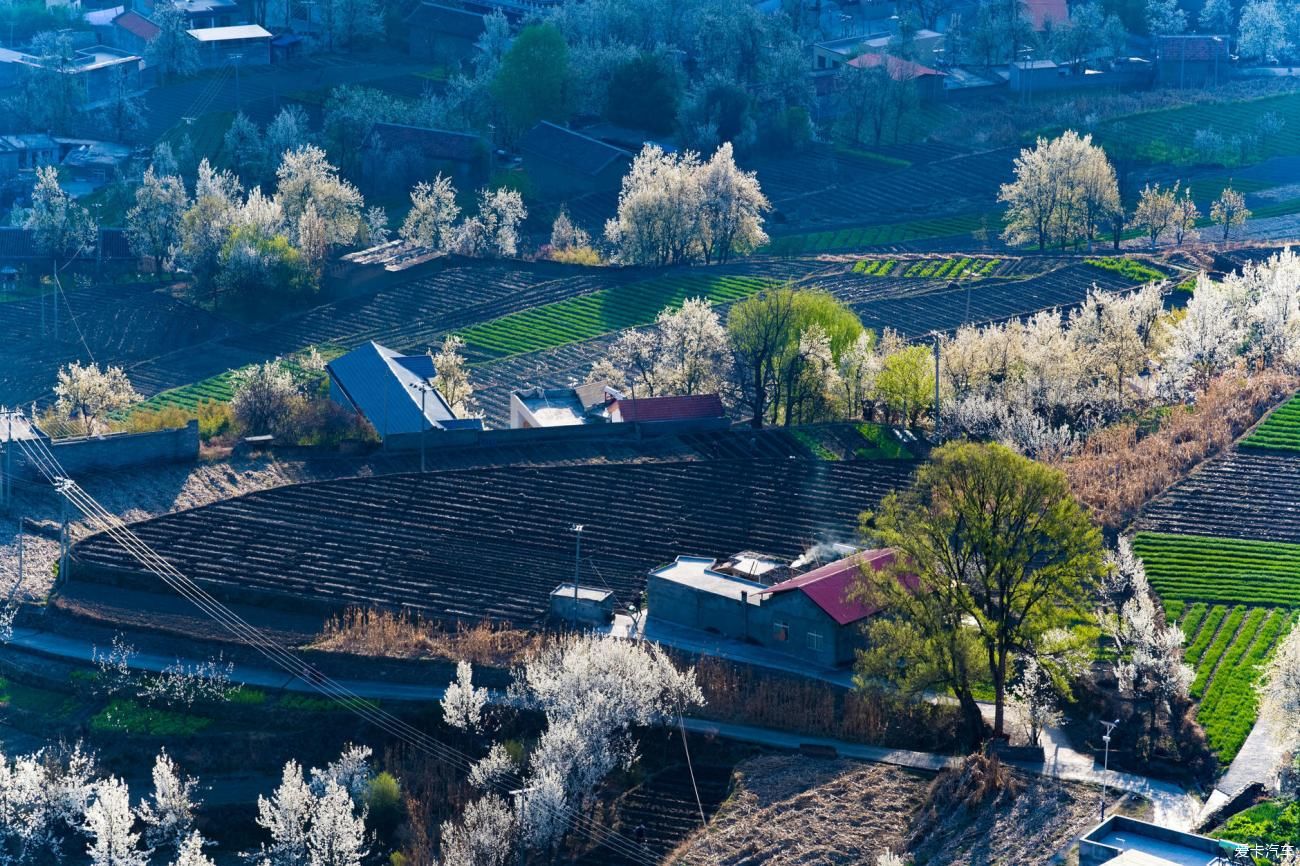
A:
(379, 383)
(579, 152)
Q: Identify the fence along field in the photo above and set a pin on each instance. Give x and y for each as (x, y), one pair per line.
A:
(588, 316)
(1235, 600)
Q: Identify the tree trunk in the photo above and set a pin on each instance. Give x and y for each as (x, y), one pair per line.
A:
(972, 718)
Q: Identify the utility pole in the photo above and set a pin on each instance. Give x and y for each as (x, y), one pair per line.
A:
(6, 477)
(1105, 738)
(577, 563)
(21, 525)
(63, 540)
(424, 388)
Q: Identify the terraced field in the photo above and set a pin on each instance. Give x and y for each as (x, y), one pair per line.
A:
(936, 308)
(592, 315)
(1248, 494)
(1234, 600)
(1280, 430)
(495, 542)
(1167, 135)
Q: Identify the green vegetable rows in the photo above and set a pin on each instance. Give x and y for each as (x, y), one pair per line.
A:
(1280, 430)
(588, 316)
(1128, 268)
(1234, 601)
(1228, 570)
(932, 269)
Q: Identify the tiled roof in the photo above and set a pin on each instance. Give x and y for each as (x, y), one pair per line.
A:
(828, 587)
(579, 152)
(899, 69)
(434, 144)
(649, 409)
(448, 20)
(1196, 48)
(137, 25)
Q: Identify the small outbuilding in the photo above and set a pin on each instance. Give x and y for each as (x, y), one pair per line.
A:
(246, 44)
(584, 606)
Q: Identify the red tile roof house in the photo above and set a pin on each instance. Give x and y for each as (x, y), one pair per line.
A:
(810, 617)
(928, 82)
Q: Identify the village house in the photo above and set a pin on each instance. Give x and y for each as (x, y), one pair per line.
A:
(566, 164)
(810, 616)
(928, 82)
(401, 155)
(1192, 60)
(598, 403)
(247, 44)
(94, 69)
(393, 392)
(443, 34)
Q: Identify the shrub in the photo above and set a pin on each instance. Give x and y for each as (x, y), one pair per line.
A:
(577, 256)
(166, 418)
(384, 800)
(215, 418)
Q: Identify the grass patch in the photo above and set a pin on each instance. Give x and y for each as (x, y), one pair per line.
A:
(818, 450)
(1280, 430)
(880, 444)
(871, 156)
(1274, 822)
(582, 318)
(246, 697)
(128, 717)
(1130, 269)
(839, 240)
(309, 704)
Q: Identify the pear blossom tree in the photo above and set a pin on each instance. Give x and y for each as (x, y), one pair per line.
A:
(168, 815)
(109, 822)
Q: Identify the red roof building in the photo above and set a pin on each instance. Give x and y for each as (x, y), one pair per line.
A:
(1042, 13)
(650, 410)
(898, 68)
(829, 587)
(137, 25)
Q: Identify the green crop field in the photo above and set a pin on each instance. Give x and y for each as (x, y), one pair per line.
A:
(218, 388)
(1138, 272)
(892, 233)
(1280, 430)
(582, 318)
(949, 268)
(1234, 600)
(1225, 570)
(1167, 135)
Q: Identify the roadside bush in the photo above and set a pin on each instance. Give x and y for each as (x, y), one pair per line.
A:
(323, 422)
(577, 256)
(215, 418)
(384, 802)
(379, 632)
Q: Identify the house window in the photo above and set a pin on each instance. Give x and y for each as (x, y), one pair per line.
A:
(781, 630)
(814, 641)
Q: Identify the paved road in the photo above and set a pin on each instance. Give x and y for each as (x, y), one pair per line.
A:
(1173, 806)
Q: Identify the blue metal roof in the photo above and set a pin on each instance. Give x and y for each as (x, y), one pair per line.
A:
(384, 387)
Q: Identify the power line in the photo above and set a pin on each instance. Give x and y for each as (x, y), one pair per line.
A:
(40, 455)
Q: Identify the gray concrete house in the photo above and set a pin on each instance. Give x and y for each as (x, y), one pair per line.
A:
(565, 164)
(810, 617)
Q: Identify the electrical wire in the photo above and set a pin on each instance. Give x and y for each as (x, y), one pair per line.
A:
(40, 455)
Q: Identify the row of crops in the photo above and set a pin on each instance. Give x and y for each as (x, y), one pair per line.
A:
(1168, 135)
(1234, 600)
(964, 225)
(951, 268)
(1228, 647)
(587, 316)
(1230, 570)
(1280, 430)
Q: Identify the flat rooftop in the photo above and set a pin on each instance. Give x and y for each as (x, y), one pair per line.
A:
(697, 572)
(227, 34)
(1122, 841)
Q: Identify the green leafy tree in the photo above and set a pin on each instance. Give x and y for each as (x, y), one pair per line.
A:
(643, 94)
(532, 82)
(905, 383)
(992, 553)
